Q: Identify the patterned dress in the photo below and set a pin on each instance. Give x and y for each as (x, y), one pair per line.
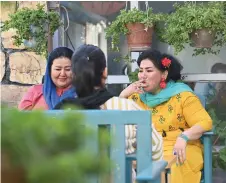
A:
(170, 118)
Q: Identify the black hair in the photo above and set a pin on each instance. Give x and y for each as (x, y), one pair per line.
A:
(156, 57)
(88, 64)
(57, 53)
(218, 68)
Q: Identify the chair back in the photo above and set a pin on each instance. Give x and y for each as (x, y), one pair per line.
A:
(116, 121)
(207, 143)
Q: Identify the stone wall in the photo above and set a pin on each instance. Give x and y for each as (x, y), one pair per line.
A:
(20, 68)
(12, 94)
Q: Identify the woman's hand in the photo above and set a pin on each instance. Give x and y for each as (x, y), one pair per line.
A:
(180, 150)
(135, 87)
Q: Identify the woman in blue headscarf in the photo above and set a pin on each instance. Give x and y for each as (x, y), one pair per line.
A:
(57, 83)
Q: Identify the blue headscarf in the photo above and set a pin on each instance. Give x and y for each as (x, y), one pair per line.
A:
(49, 88)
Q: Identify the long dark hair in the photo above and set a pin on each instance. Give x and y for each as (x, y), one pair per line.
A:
(88, 64)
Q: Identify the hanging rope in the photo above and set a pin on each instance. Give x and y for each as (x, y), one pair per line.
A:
(147, 7)
(126, 5)
(65, 9)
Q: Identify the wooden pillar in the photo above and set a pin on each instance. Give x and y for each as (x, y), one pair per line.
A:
(50, 39)
(54, 6)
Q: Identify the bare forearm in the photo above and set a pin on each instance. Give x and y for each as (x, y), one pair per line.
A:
(194, 133)
(123, 95)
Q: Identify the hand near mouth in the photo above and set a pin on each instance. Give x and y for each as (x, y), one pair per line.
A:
(136, 87)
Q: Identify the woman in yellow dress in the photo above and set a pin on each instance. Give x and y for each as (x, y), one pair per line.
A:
(177, 112)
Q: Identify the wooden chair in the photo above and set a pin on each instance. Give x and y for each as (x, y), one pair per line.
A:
(116, 121)
(207, 176)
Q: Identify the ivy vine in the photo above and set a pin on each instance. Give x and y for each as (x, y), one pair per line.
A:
(192, 16)
(33, 24)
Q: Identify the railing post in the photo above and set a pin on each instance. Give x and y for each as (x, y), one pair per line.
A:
(207, 159)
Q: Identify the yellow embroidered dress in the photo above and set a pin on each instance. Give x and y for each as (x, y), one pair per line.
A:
(170, 118)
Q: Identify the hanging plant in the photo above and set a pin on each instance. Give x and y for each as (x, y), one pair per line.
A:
(192, 20)
(32, 27)
(121, 25)
(142, 21)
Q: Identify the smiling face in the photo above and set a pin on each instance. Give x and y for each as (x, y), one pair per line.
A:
(151, 76)
(61, 73)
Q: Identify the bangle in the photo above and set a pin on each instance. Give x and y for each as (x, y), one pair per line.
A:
(183, 136)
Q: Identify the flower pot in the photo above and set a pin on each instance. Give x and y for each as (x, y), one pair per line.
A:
(138, 36)
(10, 174)
(203, 38)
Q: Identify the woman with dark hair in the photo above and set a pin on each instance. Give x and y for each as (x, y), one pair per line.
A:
(89, 77)
(57, 83)
(177, 112)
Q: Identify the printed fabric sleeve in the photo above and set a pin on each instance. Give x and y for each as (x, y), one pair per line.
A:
(157, 145)
(157, 141)
(130, 130)
(195, 113)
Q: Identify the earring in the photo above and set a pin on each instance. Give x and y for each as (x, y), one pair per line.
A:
(163, 83)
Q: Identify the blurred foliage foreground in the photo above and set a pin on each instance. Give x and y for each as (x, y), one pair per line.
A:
(51, 149)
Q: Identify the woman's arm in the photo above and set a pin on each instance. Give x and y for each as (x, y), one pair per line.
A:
(135, 87)
(157, 141)
(199, 121)
(116, 103)
(195, 132)
(196, 117)
(26, 102)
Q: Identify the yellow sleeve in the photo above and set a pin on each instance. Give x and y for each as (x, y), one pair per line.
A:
(194, 112)
(157, 145)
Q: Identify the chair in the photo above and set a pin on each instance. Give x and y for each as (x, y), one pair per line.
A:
(207, 175)
(116, 121)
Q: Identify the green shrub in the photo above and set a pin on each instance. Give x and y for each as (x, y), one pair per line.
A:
(50, 148)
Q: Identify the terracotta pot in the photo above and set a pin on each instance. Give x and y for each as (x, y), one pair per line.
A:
(10, 174)
(138, 37)
(103, 7)
(203, 38)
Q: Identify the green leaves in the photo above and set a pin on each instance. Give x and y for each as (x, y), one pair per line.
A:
(192, 16)
(25, 18)
(179, 25)
(52, 149)
(117, 27)
(133, 76)
(219, 158)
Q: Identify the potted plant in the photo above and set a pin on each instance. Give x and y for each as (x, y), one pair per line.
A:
(32, 27)
(37, 147)
(138, 25)
(202, 25)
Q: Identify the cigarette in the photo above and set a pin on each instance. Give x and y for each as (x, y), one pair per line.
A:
(142, 89)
